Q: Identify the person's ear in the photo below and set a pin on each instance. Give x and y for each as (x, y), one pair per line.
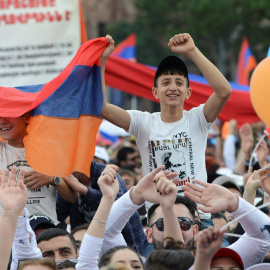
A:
(27, 117)
(149, 234)
(154, 92)
(189, 91)
(195, 231)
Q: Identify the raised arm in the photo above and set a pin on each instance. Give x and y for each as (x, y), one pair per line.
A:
(207, 244)
(110, 112)
(184, 44)
(13, 198)
(93, 238)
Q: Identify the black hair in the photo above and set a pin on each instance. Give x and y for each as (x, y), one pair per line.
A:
(79, 228)
(66, 264)
(191, 205)
(106, 257)
(174, 256)
(171, 65)
(123, 152)
(219, 215)
(171, 72)
(55, 232)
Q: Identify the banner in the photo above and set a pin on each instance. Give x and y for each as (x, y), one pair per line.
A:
(38, 38)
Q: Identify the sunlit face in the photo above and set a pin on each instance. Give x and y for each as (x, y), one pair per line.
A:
(224, 263)
(78, 236)
(128, 257)
(171, 90)
(14, 129)
(59, 248)
(156, 237)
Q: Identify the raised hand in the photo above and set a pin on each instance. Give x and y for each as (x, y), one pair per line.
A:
(109, 49)
(262, 152)
(166, 190)
(247, 143)
(215, 198)
(146, 189)
(13, 196)
(207, 244)
(182, 44)
(108, 182)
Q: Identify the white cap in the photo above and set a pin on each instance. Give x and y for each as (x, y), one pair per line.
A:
(102, 154)
(261, 266)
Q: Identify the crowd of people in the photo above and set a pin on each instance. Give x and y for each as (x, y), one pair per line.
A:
(184, 191)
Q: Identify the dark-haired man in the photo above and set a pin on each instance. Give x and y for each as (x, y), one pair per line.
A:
(184, 208)
(57, 244)
(173, 130)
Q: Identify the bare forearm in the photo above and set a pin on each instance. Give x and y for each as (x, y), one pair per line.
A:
(66, 192)
(171, 224)
(201, 263)
(249, 194)
(214, 77)
(7, 231)
(98, 224)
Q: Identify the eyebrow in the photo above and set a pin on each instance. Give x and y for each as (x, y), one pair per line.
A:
(169, 78)
(63, 248)
(131, 261)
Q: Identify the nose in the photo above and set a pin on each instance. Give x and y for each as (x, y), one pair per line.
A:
(58, 257)
(173, 86)
(3, 120)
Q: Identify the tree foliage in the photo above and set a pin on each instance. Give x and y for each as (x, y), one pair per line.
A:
(217, 27)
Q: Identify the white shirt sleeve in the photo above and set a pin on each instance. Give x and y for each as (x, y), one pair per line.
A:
(121, 211)
(250, 251)
(229, 152)
(89, 253)
(24, 244)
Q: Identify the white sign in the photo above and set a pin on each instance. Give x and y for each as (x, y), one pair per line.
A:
(38, 38)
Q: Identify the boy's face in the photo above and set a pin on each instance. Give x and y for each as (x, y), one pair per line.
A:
(14, 129)
(171, 90)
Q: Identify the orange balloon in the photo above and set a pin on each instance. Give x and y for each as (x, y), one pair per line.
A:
(260, 90)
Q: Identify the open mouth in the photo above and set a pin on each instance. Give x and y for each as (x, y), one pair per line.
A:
(5, 129)
(172, 96)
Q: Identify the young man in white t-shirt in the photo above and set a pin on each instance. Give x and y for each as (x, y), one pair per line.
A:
(173, 137)
(41, 188)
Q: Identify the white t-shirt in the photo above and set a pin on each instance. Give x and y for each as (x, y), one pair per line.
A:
(180, 145)
(40, 200)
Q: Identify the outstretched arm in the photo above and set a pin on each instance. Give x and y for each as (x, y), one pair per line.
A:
(13, 198)
(110, 112)
(184, 44)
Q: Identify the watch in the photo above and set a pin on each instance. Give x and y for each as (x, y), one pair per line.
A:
(56, 181)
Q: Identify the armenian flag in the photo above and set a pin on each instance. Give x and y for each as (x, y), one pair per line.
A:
(127, 48)
(65, 114)
(246, 63)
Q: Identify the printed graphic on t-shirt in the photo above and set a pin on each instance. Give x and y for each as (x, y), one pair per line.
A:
(33, 195)
(175, 154)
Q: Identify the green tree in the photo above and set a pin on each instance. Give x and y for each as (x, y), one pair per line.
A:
(217, 26)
